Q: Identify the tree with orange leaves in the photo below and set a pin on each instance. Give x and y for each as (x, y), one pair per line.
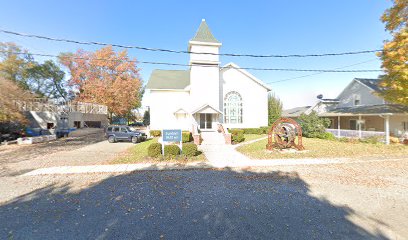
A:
(395, 54)
(105, 77)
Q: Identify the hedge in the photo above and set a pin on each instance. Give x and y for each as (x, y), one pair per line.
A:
(171, 150)
(155, 133)
(190, 149)
(261, 130)
(154, 150)
(186, 136)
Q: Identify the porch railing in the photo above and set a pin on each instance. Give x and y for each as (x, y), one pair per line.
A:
(355, 133)
(42, 105)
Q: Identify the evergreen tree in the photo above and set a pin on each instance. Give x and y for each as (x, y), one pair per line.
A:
(274, 108)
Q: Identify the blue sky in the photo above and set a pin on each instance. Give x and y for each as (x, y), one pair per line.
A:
(258, 27)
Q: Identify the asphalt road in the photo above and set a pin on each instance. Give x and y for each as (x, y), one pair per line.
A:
(182, 205)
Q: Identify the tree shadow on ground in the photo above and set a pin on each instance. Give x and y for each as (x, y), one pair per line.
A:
(195, 204)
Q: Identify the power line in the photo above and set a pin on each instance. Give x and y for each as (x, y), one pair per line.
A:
(186, 52)
(313, 74)
(201, 65)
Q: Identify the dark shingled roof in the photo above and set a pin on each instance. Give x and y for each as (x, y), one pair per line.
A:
(204, 34)
(373, 109)
(169, 79)
(371, 83)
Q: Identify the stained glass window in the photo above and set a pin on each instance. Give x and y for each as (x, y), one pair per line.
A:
(233, 108)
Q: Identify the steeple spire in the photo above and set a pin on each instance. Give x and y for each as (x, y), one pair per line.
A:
(204, 34)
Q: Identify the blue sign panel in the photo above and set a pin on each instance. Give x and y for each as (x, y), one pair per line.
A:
(172, 135)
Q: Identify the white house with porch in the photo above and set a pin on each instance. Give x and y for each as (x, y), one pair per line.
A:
(360, 111)
(206, 94)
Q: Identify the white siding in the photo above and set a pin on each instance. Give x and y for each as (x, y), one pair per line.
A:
(209, 58)
(396, 124)
(254, 97)
(163, 104)
(365, 94)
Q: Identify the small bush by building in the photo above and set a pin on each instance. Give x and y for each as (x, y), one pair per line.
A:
(155, 133)
(186, 136)
(154, 150)
(190, 149)
(171, 150)
(237, 135)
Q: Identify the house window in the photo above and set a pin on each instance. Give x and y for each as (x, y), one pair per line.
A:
(50, 125)
(353, 124)
(357, 100)
(77, 124)
(233, 108)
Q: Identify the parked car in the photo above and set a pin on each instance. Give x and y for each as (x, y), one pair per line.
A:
(124, 133)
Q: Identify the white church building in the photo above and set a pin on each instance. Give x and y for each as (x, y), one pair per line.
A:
(206, 94)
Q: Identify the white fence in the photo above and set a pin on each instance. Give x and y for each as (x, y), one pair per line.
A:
(355, 133)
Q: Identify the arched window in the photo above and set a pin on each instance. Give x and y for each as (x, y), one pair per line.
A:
(233, 108)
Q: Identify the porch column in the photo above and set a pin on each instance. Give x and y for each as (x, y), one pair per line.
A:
(338, 126)
(387, 129)
(359, 126)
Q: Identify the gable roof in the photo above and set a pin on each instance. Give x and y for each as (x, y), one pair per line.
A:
(204, 34)
(169, 79)
(370, 82)
(295, 112)
(206, 108)
(243, 71)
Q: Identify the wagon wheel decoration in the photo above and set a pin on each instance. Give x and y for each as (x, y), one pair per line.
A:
(285, 133)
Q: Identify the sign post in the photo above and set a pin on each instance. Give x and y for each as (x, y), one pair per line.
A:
(172, 135)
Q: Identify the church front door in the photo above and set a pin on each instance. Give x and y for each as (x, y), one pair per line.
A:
(205, 121)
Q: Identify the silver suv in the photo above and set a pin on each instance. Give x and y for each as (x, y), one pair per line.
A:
(124, 133)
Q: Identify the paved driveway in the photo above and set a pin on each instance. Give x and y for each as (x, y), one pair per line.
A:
(86, 150)
(349, 201)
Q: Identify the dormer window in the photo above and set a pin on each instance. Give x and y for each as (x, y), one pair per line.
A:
(357, 100)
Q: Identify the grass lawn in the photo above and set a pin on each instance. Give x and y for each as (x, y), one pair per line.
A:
(249, 137)
(138, 154)
(319, 148)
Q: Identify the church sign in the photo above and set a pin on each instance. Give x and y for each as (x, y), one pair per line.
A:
(171, 135)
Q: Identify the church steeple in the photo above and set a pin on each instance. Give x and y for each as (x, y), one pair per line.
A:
(204, 34)
(204, 42)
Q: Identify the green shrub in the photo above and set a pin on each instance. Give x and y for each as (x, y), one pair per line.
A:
(154, 150)
(186, 136)
(237, 135)
(171, 150)
(155, 133)
(253, 131)
(236, 131)
(260, 130)
(326, 135)
(190, 149)
(313, 125)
